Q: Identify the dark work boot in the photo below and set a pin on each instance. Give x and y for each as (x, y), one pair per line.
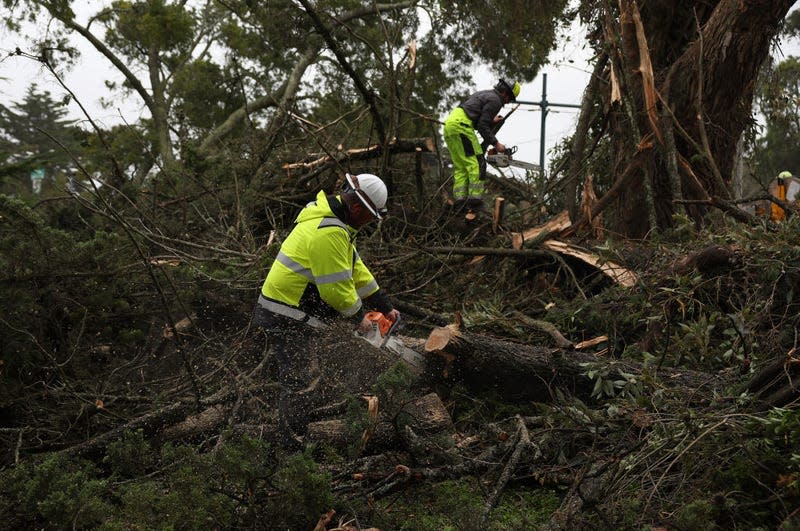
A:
(292, 421)
(287, 437)
(459, 205)
(475, 204)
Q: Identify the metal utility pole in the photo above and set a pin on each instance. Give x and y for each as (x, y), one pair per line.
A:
(545, 105)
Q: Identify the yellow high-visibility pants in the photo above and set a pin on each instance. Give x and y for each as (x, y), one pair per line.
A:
(462, 142)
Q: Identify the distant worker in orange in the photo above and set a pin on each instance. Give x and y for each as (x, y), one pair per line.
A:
(777, 213)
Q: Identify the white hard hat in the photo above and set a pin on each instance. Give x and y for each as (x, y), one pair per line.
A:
(371, 190)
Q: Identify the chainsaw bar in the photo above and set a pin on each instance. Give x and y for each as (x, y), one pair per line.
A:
(380, 336)
(505, 159)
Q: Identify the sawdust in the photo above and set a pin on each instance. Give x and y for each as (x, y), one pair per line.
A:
(348, 364)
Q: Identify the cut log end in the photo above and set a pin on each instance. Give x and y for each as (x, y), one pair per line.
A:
(440, 337)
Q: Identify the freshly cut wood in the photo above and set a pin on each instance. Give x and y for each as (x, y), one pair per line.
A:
(591, 342)
(616, 272)
(524, 372)
(556, 225)
(497, 213)
(440, 337)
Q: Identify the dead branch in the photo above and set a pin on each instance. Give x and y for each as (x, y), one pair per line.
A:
(544, 326)
(521, 446)
(402, 145)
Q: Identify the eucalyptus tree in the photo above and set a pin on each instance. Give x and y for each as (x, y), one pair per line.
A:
(206, 70)
(676, 94)
(777, 99)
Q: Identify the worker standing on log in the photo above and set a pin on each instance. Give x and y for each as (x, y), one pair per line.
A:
(479, 111)
(317, 278)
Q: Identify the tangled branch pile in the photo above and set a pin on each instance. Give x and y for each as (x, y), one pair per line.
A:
(135, 393)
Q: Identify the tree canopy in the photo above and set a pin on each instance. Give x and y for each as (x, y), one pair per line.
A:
(611, 345)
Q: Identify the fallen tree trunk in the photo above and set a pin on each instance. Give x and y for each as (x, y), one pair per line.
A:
(525, 372)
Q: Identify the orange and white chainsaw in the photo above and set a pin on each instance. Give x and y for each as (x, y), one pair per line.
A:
(505, 159)
(380, 335)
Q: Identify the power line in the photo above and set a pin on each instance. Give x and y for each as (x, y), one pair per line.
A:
(544, 105)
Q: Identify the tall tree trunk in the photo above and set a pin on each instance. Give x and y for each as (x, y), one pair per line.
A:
(705, 78)
(160, 110)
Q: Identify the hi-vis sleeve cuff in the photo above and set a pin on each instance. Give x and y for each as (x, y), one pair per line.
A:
(352, 310)
(368, 289)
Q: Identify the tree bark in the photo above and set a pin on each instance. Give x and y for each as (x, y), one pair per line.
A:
(707, 79)
(523, 372)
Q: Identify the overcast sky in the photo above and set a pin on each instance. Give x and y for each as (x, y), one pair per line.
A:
(567, 76)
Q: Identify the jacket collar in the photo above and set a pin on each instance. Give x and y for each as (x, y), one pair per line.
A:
(326, 206)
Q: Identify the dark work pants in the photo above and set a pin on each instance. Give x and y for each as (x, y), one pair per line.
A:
(298, 373)
(290, 342)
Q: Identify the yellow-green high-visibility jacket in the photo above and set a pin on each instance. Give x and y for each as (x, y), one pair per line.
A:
(320, 251)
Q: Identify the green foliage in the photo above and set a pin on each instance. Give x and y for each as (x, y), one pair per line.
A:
(46, 308)
(57, 492)
(458, 505)
(472, 411)
(698, 514)
(777, 96)
(357, 421)
(130, 456)
(240, 484)
(131, 146)
(139, 27)
(305, 492)
(37, 135)
(516, 45)
(610, 382)
(682, 230)
(783, 426)
(206, 95)
(394, 388)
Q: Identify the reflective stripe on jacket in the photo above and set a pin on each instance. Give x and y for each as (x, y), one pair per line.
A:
(321, 251)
